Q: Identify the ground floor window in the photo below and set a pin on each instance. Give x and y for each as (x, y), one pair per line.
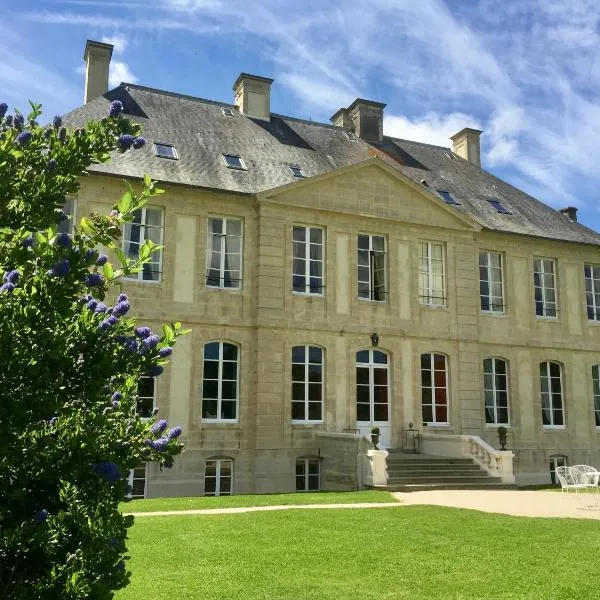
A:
(308, 475)
(218, 477)
(556, 461)
(137, 482)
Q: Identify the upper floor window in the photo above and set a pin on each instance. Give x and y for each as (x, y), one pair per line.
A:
(296, 171)
(544, 287)
(218, 477)
(432, 285)
(372, 267)
(220, 382)
(307, 277)
(307, 383)
(495, 390)
(234, 161)
(596, 392)
(224, 253)
(491, 282)
(448, 197)
(551, 388)
(66, 226)
(434, 388)
(308, 475)
(147, 224)
(146, 396)
(592, 291)
(163, 150)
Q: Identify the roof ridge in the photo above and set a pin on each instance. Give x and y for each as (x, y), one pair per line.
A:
(397, 139)
(145, 88)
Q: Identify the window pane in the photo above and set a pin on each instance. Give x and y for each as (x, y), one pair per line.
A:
(229, 352)
(209, 409)
(314, 411)
(211, 351)
(228, 410)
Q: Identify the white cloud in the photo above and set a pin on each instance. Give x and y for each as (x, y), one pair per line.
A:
(119, 71)
(119, 42)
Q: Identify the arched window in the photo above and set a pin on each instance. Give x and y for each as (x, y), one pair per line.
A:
(308, 474)
(434, 388)
(551, 388)
(220, 384)
(596, 392)
(307, 384)
(218, 476)
(495, 391)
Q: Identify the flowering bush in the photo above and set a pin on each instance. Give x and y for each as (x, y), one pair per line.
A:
(71, 360)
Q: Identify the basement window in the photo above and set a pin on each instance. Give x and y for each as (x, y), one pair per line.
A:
(353, 137)
(447, 197)
(234, 161)
(227, 112)
(296, 171)
(165, 150)
(499, 206)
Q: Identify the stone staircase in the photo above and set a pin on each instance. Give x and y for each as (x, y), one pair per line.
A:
(418, 472)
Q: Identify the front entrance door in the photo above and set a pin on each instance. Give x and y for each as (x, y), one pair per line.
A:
(372, 395)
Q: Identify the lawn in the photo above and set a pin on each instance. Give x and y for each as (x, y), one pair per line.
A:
(202, 502)
(412, 552)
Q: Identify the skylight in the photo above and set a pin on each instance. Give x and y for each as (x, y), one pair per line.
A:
(499, 206)
(165, 150)
(353, 137)
(233, 161)
(296, 171)
(227, 112)
(447, 197)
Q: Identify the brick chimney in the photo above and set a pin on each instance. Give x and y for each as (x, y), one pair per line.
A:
(366, 118)
(252, 94)
(466, 144)
(570, 212)
(97, 57)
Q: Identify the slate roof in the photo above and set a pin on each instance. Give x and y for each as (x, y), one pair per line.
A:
(201, 134)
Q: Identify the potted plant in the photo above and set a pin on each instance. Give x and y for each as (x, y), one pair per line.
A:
(502, 431)
(375, 436)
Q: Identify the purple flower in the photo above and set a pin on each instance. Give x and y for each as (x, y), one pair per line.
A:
(57, 122)
(115, 108)
(52, 421)
(51, 165)
(101, 260)
(121, 308)
(115, 404)
(125, 141)
(94, 279)
(138, 143)
(61, 268)
(122, 298)
(107, 470)
(11, 276)
(7, 287)
(3, 109)
(90, 255)
(24, 138)
(160, 445)
(63, 240)
(159, 426)
(19, 120)
(92, 303)
(8, 121)
(28, 242)
(62, 135)
(164, 352)
(175, 432)
(41, 516)
(113, 213)
(143, 332)
(104, 325)
(151, 341)
(116, 396)
(112, 320)
(156, 370)
(100, 308)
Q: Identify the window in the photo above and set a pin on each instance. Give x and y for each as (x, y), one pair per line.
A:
(224, 253)
(447, 197)
(552, 394)
(372, 391)
(307, 277)
(592, 291)
(556, 461)
(432, 289)
(296, 171)
(68, 208)
(227, 112)
(307, 383)
(220, 383)
(233, 161)
(165, 151)
(596, 388)
(308, 476)
(137, 482)
(218, 477)
(371, 267)
(491, 282)
(544, 287)
(434, 388)
(495, 390)
(499, 206)
(147, 224)
(146, 396)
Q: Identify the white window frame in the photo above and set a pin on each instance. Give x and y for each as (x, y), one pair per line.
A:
(540, 269)
(308, 260)
(372, 252)
(154, 386)
(242, 166)
(596, 394)
(305, 463)
(373, 367)
(494, 390)
(489, 270)
(592, 291)
(296, 171)
(142, 225)
(226, 111)
(222, 252)
(218, 477)
(70, 209)
(157, 153)
(434, 388)
(557, 460)
(549, 378)
(132, 478)
(219, 381)
(428, 296)
(307, 383)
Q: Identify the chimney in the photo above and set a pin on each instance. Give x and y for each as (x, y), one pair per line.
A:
(97, 57)
(252, 94)
(570, 212)
(366, 119)
(341, 119)
(466, 144)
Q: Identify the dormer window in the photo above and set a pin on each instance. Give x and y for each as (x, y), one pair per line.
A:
(296, 171)
(233, 161)
(499, 206)
(447, 197)
(351, 135)
(163, 150)
(227, 112)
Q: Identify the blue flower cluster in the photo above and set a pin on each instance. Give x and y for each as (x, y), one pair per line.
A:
(24, 137)
(51, 165)
(107, 470)
(3, 109)
(60, 269)
(161, 444)
(63, 240)
(18, 121)
(115, 108)
(159, 427)
(10, 279)
(28, 242)
(57, 122)
(41, 516)
(94, 279)
(101, 260)
(118, 310)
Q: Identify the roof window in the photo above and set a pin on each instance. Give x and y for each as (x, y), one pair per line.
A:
(447, 197)
(233, 161)
(296, 171)
(499, 206)
(351, 135)
(165, 150)
(227, 112)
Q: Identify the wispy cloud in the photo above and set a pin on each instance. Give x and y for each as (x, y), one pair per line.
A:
(119, 42)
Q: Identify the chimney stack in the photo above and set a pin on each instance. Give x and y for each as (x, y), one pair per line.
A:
(364, 117)
(341, 119)
(252, 94)
(570, 212)
(97, 57)
(466, 144)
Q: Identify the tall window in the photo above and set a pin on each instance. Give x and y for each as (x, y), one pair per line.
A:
(596, 386)
(307, 383)
(224, 253)
(559, 460)
(307, 277)
(434, 388)
(544, 287)
(552, 394)
(218, 477)
(372, 393)
(592, 291)
(220, 383)
(308, 476)
(495, 390)
(371, 267)
(68, 208)
(432, 288)
(147, 224)
(146, 396)
(137, 482)
(491, 282)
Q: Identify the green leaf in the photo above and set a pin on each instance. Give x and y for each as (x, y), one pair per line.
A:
(121, 256)
(108, 271)
(168, 333)
(86, 226)
(125, 202)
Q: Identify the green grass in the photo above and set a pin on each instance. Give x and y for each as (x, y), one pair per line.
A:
(155, 504)
(409, 552)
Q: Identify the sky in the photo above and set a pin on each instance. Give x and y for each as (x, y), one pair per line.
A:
(526, 72)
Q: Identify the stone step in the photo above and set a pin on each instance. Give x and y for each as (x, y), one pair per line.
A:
(443, 479)
(392, 472)
(432, 467)
(423, 487)
(403, 460)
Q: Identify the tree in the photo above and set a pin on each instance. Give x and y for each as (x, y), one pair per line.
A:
(71, 358)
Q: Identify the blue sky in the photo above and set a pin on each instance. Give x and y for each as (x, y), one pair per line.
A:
(527, 72)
